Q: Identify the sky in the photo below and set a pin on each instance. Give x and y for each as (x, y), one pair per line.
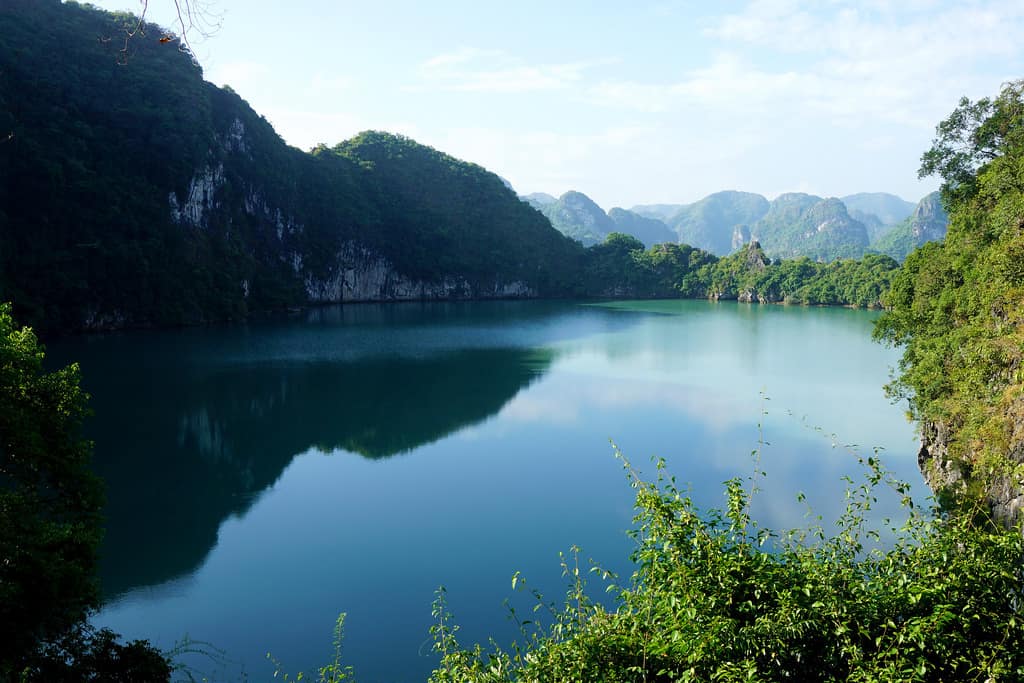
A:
(630, 102)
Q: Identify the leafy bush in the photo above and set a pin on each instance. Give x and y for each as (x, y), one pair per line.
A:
(717, 598)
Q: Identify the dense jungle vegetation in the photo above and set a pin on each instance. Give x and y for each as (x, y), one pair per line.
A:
(620, 266)
(958, 306)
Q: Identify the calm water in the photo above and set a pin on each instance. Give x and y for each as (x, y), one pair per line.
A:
(263, 478)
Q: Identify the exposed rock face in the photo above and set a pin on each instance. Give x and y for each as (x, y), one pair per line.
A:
(359, 274)
(756, 260)
(576, 215)
(201, 197)
(740, 236)
(939, 469)
(927, 223)
(710, 223)
(750, 297)
(96, 320)
(1004, 493)
(929, 220)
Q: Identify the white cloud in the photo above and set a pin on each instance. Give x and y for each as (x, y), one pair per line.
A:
(779, 23)
(777, 95)
(493, 71)
(845, 65)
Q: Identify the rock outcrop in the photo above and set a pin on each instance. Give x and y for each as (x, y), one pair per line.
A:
(947, 475)
(360, 274)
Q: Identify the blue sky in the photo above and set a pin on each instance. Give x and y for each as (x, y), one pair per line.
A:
(629, 102)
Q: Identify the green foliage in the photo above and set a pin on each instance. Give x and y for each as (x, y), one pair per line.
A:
(576, 216)
(439, 216)
(137, 194)
(85, 655)
(715, 597)
(650, 231)
(971, 137)
(957, 307)
(926, 224)
(50, 528)
(49, 499)
(799, 224)
(709, 223)
(621, 267)
(334, 672)
(749, 275)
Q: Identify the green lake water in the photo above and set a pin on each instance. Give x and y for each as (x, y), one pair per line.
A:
(262, 478)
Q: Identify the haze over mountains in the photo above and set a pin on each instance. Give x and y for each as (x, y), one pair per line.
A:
(791, 225)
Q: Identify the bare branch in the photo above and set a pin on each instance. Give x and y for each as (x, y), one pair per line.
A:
(193, 17)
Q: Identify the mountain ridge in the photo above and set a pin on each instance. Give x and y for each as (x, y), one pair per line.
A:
(140, 195)
(792, 225)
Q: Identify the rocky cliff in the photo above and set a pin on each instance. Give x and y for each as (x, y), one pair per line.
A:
(927, 223)
(1002, 492)
(576, 216)
(137, 194)
(798, 224)
(715, 222)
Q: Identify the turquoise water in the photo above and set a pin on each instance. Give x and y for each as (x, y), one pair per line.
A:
(263, 478)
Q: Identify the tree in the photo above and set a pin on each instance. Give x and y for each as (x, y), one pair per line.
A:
(50, 501)
(957, 308)
(50, 504)
(973, 135)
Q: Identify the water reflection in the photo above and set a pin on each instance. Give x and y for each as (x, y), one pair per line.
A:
(191, 425)
(508, 408)
(217, 440)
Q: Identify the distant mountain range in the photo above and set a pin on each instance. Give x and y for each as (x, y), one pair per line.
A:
(791, 225)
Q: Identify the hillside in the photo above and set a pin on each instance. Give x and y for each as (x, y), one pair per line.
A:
(888, 209)
(576, 216)
(659, 212)
(139, 194)
(650, 231)
(538, 200)
(927, 224)
(957, 308)
(798, 224)
(872, 224)
(711, 223)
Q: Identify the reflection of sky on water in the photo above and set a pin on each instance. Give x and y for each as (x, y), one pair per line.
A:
(527, 471)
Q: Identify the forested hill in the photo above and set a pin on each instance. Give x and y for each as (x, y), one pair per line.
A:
(957, 308)
(132, 192)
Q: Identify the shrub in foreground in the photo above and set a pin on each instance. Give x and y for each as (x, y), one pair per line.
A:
(717, 598)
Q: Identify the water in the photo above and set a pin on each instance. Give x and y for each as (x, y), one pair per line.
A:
(263, 478)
